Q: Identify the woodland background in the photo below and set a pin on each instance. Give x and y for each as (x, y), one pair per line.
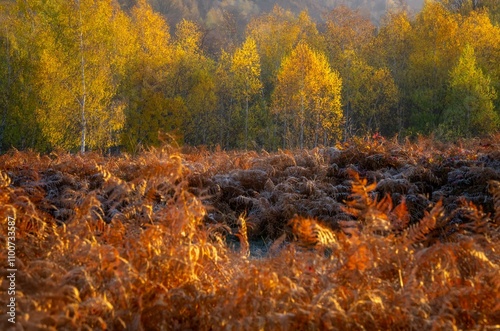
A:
(107, 74)
(372, 233)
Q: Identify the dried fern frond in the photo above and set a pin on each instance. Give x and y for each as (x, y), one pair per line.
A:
(418, 232)
(277, 244)
(399, 216)
(242, 235)
(5, 180)
(360, 199)
(478, 221)
(310, 234)
(373, 215)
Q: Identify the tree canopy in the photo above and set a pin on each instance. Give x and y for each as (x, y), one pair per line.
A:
(100, 74)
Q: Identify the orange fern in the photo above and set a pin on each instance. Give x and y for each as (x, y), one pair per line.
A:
(419, 232)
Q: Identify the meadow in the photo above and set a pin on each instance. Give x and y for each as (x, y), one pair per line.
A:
(371, 234)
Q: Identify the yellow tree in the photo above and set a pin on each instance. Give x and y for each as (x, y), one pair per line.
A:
(369, 94)
(276, 34)
(246, 70)
(307, 98)
(483, 36)
(152, 108)
(21, 44)
(191, 77)
(76, 78)
(347, 29)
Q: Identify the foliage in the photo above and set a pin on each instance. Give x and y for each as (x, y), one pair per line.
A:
(137, 242)
(435, 45)
(108, 74)
(471, 109)
(368, 94)
(245, 66)
(307, 99)
(276, 35)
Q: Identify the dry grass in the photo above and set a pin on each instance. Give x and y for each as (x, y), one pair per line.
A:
(149, 242)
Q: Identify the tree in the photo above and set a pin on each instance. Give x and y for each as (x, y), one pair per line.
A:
(467, 7)
(462, 6)
(152, 107)
(225, 101)
(471, 96)
(21, 45)
(246, 70)
(493, 9)
(276, 34)
(369, 94)
(191, 77)
(392, 49)
(347, 29)
(483, 36)
(75, 75)
(307, 99)
(435, 47)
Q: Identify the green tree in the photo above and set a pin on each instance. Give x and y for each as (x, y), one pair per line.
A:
(478, 31)
(471, 96)
(369, 94)
(435, 47)
(392, 49)
(225, 101)
(493, 9)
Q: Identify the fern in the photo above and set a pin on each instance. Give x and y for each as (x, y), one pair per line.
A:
(242, 235)
(375, 216)
(419, 232)
(399, 216)
(310, 234)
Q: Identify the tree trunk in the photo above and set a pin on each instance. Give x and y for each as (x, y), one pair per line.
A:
(83, 99)
(301, 141)
(246, 122)
(285, 131)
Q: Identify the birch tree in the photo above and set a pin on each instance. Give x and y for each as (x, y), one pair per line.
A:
(246, 69)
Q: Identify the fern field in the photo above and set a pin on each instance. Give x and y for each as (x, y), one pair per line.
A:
(367, 235)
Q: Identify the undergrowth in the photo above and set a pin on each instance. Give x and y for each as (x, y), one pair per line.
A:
(144, 242)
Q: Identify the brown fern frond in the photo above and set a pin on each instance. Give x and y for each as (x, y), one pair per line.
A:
(480, 220)
(4, 180)
(360, 200)
(277, 244)
(269, 185)
(310, 234)
(217, 232)
(360, 188)
(419, 232)
(372, 214)
(242, 235)
(399, 216)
